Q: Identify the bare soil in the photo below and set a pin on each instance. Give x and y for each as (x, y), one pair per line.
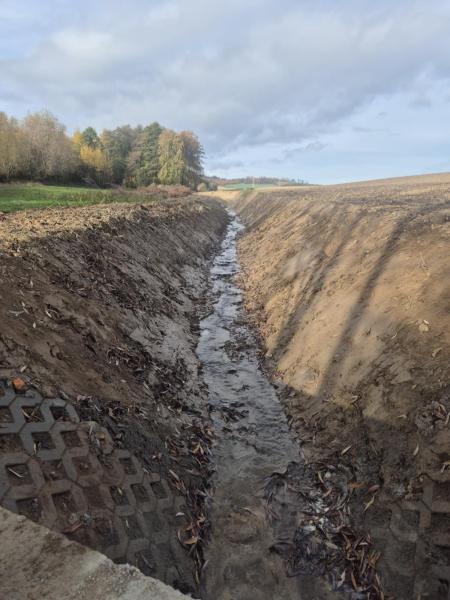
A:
(100, 306)
(349, 287)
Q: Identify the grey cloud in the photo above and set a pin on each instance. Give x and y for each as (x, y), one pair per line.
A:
(421, 101)
(240, 74)
(293, 153)
(225, 164)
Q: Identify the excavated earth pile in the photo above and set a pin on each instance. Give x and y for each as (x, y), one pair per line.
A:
(104, 434)
(349, 289)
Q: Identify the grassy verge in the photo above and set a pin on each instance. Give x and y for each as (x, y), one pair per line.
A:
(14, 197)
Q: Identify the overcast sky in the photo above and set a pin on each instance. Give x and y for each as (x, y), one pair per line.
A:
(323, 90)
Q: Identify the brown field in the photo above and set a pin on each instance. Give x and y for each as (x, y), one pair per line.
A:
(349, 286)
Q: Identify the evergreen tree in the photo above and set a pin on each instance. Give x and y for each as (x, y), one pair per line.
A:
(89, 137)
(143, 161)
(117, 145)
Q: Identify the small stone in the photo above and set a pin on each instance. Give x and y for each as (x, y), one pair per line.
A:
(19, 385)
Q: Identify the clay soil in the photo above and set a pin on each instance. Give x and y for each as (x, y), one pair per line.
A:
(100, 306)
(349, 287)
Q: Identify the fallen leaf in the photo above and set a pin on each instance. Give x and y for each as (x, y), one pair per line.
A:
(341, 580)
(356, 485)
(174, 474)
(369, 504)
(11, 470)
(73, 528)
(191, 541)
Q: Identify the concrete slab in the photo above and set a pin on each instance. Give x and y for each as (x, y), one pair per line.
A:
(38, 564)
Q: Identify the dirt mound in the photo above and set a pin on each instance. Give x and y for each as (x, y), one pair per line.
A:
(165, 191)
(349, 287)
(99, 311)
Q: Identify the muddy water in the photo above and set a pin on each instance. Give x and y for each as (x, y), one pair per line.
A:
(252, 442)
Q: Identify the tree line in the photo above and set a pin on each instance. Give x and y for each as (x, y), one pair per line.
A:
(38, 148)
(279, 181)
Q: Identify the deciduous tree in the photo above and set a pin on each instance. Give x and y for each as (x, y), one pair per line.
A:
(47, 151)
(171, 158)
(11, 147)
(192, 157)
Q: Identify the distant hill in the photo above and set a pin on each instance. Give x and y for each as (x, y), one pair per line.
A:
(249, 182)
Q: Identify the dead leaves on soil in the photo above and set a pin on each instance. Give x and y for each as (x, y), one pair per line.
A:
(325, 541)
(193, 442)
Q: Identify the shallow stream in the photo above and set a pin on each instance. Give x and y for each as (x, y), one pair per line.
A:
(252, 442)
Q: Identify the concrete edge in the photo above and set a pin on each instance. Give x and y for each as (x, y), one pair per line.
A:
(36, 563)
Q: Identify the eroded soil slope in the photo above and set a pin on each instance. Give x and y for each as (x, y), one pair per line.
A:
(349, 287)
(99, 309)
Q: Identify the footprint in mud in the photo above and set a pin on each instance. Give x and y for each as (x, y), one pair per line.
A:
(243, 527)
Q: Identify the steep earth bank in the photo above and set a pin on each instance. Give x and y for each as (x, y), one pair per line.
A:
(102, 409)
(349, 289)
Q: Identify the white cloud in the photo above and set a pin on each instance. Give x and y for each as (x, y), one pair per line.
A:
(240, 74)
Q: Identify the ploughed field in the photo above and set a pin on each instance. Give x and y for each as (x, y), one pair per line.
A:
(270, 422)
(349, 288)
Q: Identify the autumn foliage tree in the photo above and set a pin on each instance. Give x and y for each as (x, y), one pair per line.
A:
(93, 161)
(171, 160)
(38, 148)
(180, 158)
(10, 148)
(192, 159)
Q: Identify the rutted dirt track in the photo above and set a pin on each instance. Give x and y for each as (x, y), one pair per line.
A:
(349, 288)
(99, 318)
